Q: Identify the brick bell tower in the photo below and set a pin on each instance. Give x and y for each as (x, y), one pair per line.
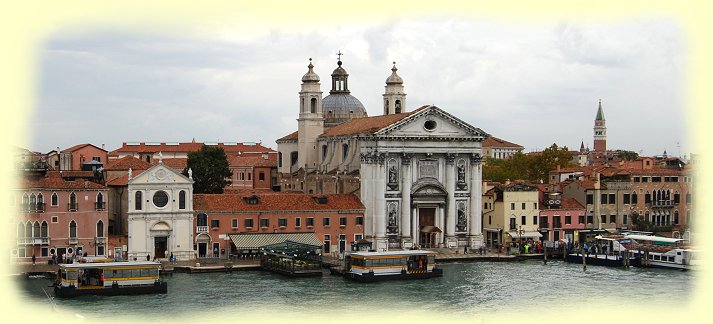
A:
(600, 131)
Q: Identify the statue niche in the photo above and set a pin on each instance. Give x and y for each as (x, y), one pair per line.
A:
(393, 182)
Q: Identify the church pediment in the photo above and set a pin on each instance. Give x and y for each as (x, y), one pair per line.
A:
(428, 187)
(432, 122)
(159, 174)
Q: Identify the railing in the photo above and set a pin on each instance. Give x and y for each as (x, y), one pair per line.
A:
(100, 240)
(33, 207)
(33, 241)
(40, 208)
(201, 229)
(662, 203)
(72, 206)
(99, 205)
(73, 240)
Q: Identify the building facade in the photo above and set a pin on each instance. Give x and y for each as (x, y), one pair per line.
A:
(511, 213)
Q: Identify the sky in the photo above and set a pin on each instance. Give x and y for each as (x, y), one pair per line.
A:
(533, 83)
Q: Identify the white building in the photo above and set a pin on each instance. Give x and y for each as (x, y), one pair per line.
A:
(160, 214)
(418, 173)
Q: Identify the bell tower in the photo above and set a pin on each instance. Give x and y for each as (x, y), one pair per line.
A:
(311, 120)
(600, 130)
(394, 96)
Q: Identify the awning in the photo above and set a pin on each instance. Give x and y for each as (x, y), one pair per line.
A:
(492, 230)
(515, 234)
(258, 240)
(431, 229)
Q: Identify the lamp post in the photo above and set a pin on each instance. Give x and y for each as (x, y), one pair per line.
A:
(520, 232)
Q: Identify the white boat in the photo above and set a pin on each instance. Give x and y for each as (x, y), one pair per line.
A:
(390, 265)
(651, 252)
(108, 278)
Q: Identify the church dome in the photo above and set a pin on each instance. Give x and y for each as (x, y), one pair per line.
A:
(310, 76)
(340, 107)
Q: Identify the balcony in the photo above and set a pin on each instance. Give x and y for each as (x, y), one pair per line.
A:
(201, 229)
(40, 207)
(100, 240)
(73, 240)
(99, 205)
(33, 241)
(662, 203)
(72, 206)
(33, 207)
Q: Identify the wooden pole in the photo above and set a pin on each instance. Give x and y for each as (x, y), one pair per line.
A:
(584, 262)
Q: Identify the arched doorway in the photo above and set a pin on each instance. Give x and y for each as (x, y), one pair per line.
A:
(428, 196)
(202, 242)
(160, 233)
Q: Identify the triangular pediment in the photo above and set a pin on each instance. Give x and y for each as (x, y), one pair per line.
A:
(432, 122)
(160, 174)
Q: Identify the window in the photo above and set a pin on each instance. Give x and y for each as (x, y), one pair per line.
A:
(72, 202)
(214, 223)
(202, 220)
(100, 229)
(581, 219)
(534, 205)
(325, 221)
(96, 158)
(612, 199)
(282, 222)
(567, 220)
(342, 221)
(182, 199)
(397, 106)
(647, 198)
(655, 179)
(298, 222)
(688, 197)
(677, 198)
(612, 219)
(590, 199)
(310, 221)
(250, 176)
(72, 229)
(264, 222)
(327, 243)
(248, 222)
(625, 219)
(55, 219)
(345, 151)
(556, 222)
(603, 219)
(675, 217)
(512, 206)
(523, 206)
(512, 223)
(637, 179)
(261, 176)
(534, 220)
(524, 220)
(241, 176)
(603, 199)
(313, 105)
(360, 220)
(590, 219)
(627, 199)
(160, 199)
(234, 223)
(100, 201)
(490, 220)
(293, 158)
(324, 152)
(634, 198)
(645, 179)
(137, 200)
(55, 199)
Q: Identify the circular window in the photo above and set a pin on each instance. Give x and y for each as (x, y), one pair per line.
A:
(160, 199)
(429, 125)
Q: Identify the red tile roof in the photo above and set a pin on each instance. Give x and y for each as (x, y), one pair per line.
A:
(253, 160)
(125, 163)
(367, 125)
(289, 137)
(190, 147)
(79, 146)
(77, 174)
(177, 164)
(121, 181)
(493, 141)
(270, 202)
(52, 180)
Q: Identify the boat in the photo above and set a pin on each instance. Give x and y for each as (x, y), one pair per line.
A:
(617, 254)
(662, 252)
(391, 265)
(108, 278)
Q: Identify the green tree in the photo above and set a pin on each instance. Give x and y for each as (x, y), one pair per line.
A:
(210, 170)
(628, 155)
(527, 167)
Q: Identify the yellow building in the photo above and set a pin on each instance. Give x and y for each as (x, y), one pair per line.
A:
(510, 213)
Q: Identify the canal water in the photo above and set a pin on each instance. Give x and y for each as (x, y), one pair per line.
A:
(467, 289)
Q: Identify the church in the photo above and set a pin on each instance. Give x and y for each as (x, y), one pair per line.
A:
(418, 173)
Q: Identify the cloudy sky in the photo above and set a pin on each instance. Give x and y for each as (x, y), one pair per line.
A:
(533, 83)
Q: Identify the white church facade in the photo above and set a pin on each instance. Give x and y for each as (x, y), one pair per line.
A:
(417, 173)
(160, 215)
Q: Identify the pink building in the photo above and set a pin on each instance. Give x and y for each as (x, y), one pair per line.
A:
(253, 171)
(86, 157)
(561, 218)
(59, 217)
(337, 220)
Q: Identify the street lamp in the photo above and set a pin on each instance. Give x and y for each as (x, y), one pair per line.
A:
(520, 232)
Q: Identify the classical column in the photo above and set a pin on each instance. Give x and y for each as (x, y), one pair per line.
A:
(365, 189)
(379, 202)
(450, 216)
(475, 228)
(406, 178)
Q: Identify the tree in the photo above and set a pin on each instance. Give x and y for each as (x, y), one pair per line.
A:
(527, 167)
(210, 170)
(627, 155)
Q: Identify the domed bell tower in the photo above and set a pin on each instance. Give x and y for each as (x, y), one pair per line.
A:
(394, 96)
(311, 120)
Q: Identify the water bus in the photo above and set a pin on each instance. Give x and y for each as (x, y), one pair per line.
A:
(662, 252)
(391, 265)
(108, 278)
(609, 251)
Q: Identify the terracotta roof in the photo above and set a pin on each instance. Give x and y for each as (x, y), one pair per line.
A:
(120, 181)
(367, 125)
(177, 164)
(125, 163)
(78, 146)
(269, 202)
(190, 147)
(77, 174)
(496, 142)
(570, 203)
(289, 137)
(252, 160)
(52, 180)
(655, 172)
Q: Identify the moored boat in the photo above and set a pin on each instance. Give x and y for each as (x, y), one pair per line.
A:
(109, 278)
(662, 252)
(608, 251)
(391, 265)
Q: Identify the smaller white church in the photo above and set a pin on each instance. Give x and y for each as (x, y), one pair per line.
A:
(160, 214)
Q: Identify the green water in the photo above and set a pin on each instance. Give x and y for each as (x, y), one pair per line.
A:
(479, 288)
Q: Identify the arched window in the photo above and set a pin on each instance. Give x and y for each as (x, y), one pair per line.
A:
(100, 229)
(33, 200)
(73, 229)
(72, 202)
(100, 201)
(313, 105)
(43, 230)
(324, 152)
(345, 151)
(55, 199)
(646, 215)
(634, 198)
(182, 199)
(25, 202)
(36, 229)
(397, 104)
(137, 200)
(40, 199)
(202, 220)
(28, 229)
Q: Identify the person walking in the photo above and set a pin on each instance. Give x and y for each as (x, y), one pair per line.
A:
(34, 258)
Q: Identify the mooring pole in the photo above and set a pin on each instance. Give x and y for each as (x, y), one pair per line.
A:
(584, 262)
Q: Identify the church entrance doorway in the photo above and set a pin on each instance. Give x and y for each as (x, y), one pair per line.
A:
(427, 228)
(160, 246)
